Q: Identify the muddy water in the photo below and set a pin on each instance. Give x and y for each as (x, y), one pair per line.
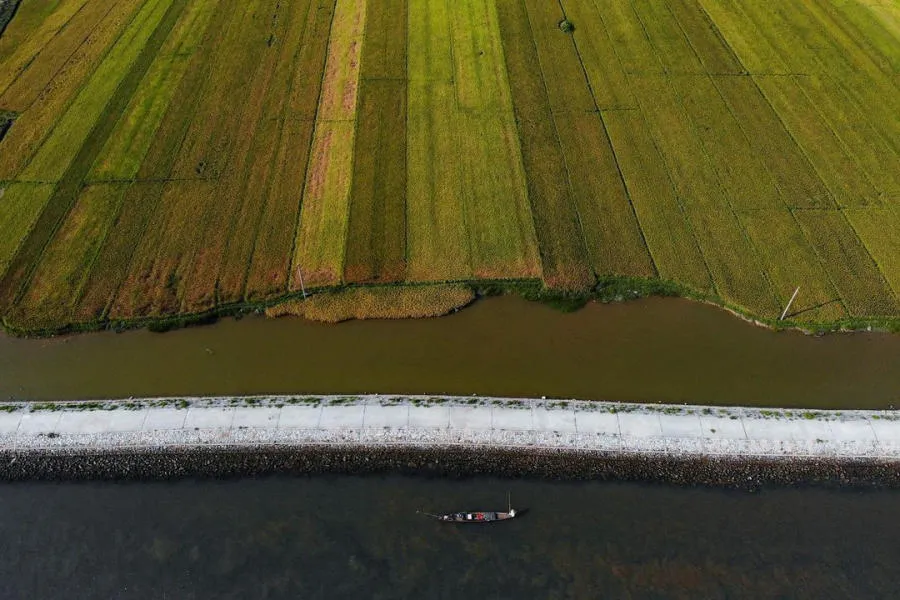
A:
(652, 350)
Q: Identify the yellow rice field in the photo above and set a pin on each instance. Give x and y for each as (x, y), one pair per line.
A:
(174, 157)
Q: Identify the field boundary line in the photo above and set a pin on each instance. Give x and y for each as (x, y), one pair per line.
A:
(745, 73)
(781, 193)
(230, 174)
(730, 205)
(609, 145)
(835, 207)
(650, 44)
(406, 153)
(778, 50)
(717, 33)
(87, 179)
(89, 267)
(834, 202)
(464, 203)
(862, 242)
(510, 112)
(31, 60)
(128, 183)
(529, 199)
(843, 144)
(890, 79)
(841, 24)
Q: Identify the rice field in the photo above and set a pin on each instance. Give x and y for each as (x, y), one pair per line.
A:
(169, 157)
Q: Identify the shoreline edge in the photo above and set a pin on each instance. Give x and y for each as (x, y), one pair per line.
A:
(167, 438)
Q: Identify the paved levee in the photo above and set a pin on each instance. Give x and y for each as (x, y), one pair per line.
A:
(286, 421)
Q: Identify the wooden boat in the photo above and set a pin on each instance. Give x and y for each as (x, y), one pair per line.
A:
(477, 516)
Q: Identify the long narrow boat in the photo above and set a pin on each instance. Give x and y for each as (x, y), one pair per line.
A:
(477, 516)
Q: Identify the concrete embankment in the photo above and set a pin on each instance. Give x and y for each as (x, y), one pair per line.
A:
(457, 436)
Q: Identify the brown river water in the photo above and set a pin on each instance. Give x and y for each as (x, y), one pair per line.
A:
(654, 350)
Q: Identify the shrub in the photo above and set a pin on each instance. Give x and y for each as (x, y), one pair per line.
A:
(566, 26)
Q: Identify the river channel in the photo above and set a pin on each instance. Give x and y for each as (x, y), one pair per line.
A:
(655, 350)
(360, 537)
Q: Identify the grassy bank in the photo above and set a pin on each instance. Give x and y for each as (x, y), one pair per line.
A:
(396, 302)
(434, 300)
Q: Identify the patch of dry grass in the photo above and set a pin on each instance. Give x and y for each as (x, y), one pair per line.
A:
(378, 303)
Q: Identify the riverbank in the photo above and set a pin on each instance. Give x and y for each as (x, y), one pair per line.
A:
(613, 289)
(445, 435)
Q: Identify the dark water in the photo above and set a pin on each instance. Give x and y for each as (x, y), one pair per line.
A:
(360, 538)
(654, 350)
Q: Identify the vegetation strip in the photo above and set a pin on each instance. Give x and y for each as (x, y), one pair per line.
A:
(395, 302)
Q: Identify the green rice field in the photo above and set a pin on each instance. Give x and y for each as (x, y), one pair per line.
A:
(182, 157)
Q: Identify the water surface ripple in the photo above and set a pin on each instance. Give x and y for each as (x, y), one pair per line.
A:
(359, 537)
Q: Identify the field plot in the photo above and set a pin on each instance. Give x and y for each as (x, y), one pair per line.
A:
(34, 27)
(57, 281)
(178, 157)
(322, 231)
(31, 78)
(562, 248)
(792, 262)
(376, 239)
(35, 124)
(239, 150)
(269, 268)
(877, 227)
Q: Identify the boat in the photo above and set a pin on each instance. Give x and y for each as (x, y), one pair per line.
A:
(480, 516)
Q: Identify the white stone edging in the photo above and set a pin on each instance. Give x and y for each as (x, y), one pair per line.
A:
(433, 421)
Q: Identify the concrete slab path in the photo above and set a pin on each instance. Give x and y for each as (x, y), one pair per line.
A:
(455, 421)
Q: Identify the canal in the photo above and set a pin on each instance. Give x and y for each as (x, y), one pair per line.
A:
(654, 350)
(349, 537)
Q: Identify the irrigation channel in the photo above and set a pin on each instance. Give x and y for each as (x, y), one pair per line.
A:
(654, 350)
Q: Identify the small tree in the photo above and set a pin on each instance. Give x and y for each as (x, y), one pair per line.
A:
(566, 26)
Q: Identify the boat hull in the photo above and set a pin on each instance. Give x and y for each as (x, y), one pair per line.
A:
(480, 517)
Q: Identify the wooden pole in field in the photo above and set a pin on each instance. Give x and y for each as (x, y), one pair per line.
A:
(300, 276)
(791, 301)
